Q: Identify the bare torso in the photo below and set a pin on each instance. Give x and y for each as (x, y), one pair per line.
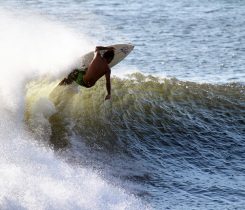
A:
(97, 68)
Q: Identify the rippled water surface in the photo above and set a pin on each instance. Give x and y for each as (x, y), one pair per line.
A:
(190, 40)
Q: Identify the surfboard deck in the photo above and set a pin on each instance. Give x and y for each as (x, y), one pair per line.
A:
(121, 51)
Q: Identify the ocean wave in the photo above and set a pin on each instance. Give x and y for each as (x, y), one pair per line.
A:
(144, 108)
(149, 127)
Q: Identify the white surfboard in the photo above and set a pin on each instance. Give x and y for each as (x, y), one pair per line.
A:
(121, 51)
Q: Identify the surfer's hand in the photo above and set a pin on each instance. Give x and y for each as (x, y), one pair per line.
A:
(108, 97)
(98, 48)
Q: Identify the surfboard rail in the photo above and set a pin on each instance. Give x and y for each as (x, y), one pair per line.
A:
(121, 52)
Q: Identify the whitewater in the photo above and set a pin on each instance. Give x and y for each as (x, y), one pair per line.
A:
(32, 176)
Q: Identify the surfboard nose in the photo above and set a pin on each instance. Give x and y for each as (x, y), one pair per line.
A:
(126, 48)
(131, 47)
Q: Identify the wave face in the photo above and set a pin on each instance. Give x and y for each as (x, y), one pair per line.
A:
(157, 137)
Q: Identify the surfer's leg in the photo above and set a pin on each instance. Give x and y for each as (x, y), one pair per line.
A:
(70, 78)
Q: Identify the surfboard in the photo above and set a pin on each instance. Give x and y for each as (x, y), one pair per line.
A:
(61, 94)
(121, 51)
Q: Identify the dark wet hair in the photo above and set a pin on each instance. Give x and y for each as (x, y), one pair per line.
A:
(109, 55)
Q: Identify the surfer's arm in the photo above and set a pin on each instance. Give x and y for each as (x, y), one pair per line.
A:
(108, 84)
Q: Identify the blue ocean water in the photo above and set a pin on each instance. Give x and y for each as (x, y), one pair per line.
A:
(172, 136)
(190, 40)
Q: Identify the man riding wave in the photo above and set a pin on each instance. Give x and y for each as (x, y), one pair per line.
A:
(96, 69)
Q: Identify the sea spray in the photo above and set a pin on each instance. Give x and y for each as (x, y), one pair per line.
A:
(31, 47)
(31, 175)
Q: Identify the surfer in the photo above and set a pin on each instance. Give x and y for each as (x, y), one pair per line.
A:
(96, 69)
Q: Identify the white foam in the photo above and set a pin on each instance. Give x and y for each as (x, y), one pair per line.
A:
(123, 71)
(32, 46)
(31, 176)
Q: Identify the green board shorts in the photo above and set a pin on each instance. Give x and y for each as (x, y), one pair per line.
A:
(79, 79)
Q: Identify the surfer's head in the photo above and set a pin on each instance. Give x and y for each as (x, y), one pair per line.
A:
(109, 55)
